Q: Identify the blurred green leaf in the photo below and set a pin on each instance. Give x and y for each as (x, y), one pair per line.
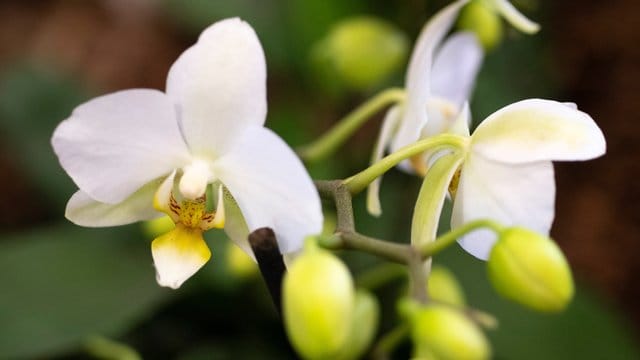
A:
(32, 103)
(265, 16)
(64, 283)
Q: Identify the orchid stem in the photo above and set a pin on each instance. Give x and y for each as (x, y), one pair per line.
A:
(444, 241)
(336, 136)
(346, 237)
(380, 275)
(361, 180)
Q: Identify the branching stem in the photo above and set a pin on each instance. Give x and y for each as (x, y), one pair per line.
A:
(336, 136)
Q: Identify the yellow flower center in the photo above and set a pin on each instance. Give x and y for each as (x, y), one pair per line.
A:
(194, 214)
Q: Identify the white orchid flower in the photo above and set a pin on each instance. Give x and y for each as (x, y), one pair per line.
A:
(126, 150)
(439, 80)
(507, 174)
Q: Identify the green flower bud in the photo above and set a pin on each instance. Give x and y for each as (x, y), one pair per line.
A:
(361, 52)
(484, 21)
(363, 326)
(530, 269)
(318, 303)
(444, 287)
(443, 333)
(239, 263)
(156, 227)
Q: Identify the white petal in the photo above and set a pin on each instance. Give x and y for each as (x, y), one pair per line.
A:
(220, 86)
(534, 130)
(114, 144)
(419, 74)
(389, 126)
(85, 211)
(271, 187)
(515, 17)
(512, 194)
(179, 254)
(455, 68)
(461, 124)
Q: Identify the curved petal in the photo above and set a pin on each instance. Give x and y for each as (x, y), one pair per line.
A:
(455, 68)
(419, 74)
(520, 194)
(271, 187)
(179, 254)
(533, 130)
(389, 126)
(219, 85)
(84, 211)
(114, 144)
(515, 17)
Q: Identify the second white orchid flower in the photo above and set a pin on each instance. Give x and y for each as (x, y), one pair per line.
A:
(440, 78)
(507, 174)
(126, 150)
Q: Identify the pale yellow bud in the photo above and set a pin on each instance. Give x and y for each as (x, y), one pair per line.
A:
(530, 269)
(318, 304)
(239, 263)
(363, 326)
(156, 227)
(443, 333)
(484, 21)
(444, 287)
(361, 52)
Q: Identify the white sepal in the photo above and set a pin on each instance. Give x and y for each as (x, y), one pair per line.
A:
(534, 130)
(84, 211)
(455, 67)
(418, 78)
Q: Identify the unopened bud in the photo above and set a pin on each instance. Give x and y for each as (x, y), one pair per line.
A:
(239, 263)
(318, 302)
(156, 227)
(530, 269)
(444, 287)
(361, 51)
(363, 326)
(443, 333)
(479, 17)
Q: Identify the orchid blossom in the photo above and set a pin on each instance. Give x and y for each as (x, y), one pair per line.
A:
(439, 81)
(507, 174)
(136, 154)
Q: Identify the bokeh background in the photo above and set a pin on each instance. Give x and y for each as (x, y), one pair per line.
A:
(70, 293)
